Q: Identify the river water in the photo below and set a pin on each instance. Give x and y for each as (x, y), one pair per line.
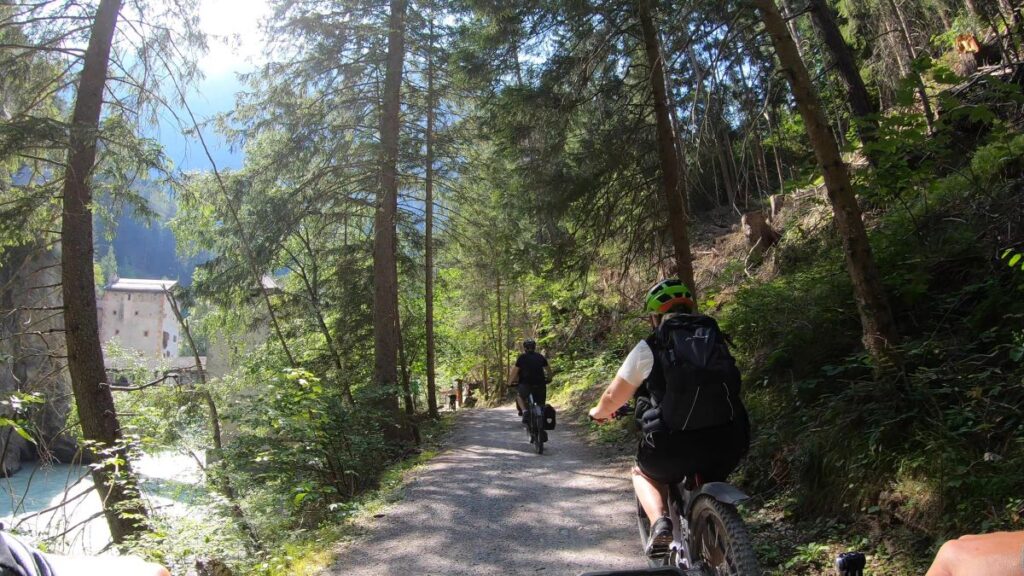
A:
(57, 500)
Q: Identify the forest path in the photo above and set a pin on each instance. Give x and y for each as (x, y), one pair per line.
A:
(489, 504)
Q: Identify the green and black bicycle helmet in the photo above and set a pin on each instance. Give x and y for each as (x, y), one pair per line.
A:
(668, 296)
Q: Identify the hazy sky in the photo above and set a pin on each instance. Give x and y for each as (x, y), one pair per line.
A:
(235, 46)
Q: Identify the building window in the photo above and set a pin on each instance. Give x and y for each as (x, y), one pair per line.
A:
(175, 337)
(145, 334)
(129, 295)
(114, 312)
(116, 332)
(136, 312)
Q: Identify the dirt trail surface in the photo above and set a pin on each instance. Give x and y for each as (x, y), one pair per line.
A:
(490, 505)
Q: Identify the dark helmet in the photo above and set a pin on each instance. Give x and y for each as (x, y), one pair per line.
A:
(529, 344)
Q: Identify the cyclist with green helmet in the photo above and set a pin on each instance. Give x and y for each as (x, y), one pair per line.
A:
(668, 454)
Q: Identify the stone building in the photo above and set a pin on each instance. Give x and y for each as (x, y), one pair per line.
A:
(136, 314)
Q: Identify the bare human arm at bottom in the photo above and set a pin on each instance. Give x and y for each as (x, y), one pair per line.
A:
(106, 565)
(995, 554)
(615, 395)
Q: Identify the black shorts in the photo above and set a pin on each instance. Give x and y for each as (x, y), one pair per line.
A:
(539, 391)
(713, 453)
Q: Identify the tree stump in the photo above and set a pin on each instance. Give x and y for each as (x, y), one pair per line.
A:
(759, 233)
(777, 202)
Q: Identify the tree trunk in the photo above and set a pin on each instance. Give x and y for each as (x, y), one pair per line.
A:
(762, 160)
(972, 9)
(880, 337)
(312, 289)
(863, 108)
(403, 363)
(385, 269)
(672, 194)
(908, 43)
(486, 382)
(724, 149)
(775, 153)
(1011, 19)
(429, 232)
(122, 504)
(500, 338)
(791, 26)
(410, 404)
(510, 343)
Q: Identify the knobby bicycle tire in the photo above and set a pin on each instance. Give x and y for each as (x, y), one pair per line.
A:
(711, 520)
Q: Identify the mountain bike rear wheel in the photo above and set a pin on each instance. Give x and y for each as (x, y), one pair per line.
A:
(538, 428)
(719, 539)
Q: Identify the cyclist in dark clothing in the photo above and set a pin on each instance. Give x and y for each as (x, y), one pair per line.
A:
(532, 373)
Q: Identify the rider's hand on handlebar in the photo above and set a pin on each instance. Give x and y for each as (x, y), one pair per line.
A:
(594, 415)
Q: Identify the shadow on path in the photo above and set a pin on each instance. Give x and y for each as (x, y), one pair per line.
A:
(490, 505)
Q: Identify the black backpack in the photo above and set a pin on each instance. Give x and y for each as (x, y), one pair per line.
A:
(701, 381)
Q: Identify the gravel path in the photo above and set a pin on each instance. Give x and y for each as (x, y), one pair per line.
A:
(490, 505)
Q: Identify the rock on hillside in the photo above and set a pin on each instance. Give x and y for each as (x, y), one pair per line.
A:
(31, 351)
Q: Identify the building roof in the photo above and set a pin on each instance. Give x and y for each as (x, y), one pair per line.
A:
(269, 283)
(141, 285)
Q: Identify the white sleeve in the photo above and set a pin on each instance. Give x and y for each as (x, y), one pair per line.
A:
(638, 364)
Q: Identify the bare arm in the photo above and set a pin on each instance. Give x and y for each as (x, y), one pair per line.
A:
(513, 375)
(547, 373)
(617, 394)
(107, 565)
(995, 554)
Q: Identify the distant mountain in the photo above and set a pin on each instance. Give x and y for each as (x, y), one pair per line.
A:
(146, 250)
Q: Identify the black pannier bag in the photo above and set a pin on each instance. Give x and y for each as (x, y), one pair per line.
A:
(549, 417)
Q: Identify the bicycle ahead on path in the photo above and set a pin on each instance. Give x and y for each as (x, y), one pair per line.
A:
(535, 424)
(534, 419)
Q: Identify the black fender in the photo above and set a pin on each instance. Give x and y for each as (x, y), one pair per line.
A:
(722, 491)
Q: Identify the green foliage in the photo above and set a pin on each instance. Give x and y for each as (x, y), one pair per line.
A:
(934, 447)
